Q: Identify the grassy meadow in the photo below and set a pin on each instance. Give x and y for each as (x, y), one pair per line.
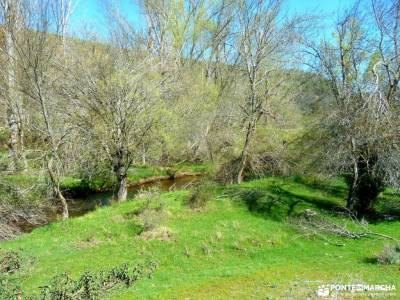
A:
(241, 245)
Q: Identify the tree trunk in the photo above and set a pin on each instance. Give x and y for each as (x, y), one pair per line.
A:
(15, 145)
(13, 165)
(24, 162)
(55, 183)
(120, 174)
(63, 202)
(164, 153)
(122, 189)
(16, 155)
(144, 154)
(210, 150)
(351, 198)
(365, 185)
(245, 151)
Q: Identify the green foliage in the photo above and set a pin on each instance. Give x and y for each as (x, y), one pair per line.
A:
(201, 194)
(12, 189)
(75, 187)
(3, 160)
(195, 168)
(10, 262)
(92, 285)
(4, 136)
(136, 173)
(10, 290)
(140, 172)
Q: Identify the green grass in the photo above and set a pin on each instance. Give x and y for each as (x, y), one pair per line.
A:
(197, 168)
(140, 172)
(236, 248)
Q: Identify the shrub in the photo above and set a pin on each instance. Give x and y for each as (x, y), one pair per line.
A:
(152, 197)
(10, 262)
(200, 195)
(390, 255)
(152, 214)
(171, 172)
(10, 291)
(61, 287)
(227, 172)
(151, 218)
(92, 285)
(20, 210)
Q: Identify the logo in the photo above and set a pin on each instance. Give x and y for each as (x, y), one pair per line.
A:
(327, 289)
(323, 291)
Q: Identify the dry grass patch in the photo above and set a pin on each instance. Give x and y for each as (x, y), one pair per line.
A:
(159, 233)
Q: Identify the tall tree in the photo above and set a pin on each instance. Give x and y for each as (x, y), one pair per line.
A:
(262, 42)
(113, 83)
(359, 132)
(11, 16)
(39, 57)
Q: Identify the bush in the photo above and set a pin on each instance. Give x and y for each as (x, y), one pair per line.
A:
(200, 195)
(9, 290)
(152, 214)
(92, 285)
(390, 255)
(10, 262)
(171, 172)
(151, 219)
(152, 197)
(89, 285)
(227, 172)
(19, 208)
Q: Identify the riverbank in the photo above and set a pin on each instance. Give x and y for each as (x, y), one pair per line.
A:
(240, 245)
(137, 175)
(24, 202)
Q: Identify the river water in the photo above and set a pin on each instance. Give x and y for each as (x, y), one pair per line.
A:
(80, 206)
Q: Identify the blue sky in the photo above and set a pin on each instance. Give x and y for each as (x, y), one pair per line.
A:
(90, 14)
(329, 7)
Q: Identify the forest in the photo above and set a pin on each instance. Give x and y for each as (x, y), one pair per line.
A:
(201, 149)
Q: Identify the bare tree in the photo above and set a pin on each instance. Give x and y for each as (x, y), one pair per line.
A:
(38, 56)
(359, 131)
(262, 42)
(10, 91)
(113, 83)
(386, 16)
